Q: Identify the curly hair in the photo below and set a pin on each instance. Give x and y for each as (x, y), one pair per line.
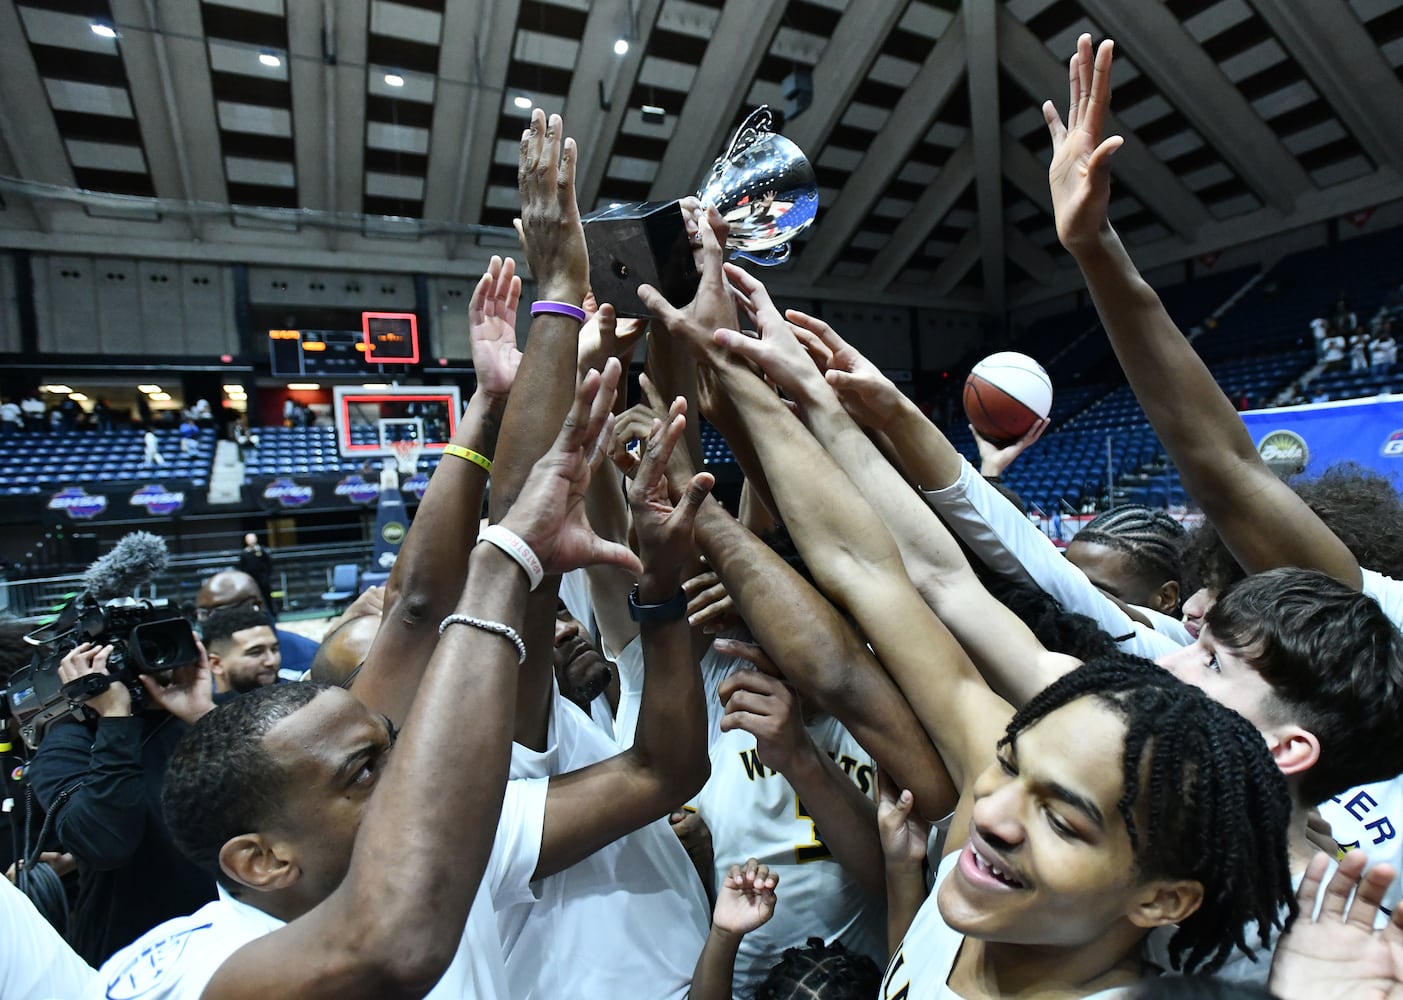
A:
(221, 782)
(819, 971)
(1335, 665)
(1361, 507)
(1058, 629)
(1214, 805)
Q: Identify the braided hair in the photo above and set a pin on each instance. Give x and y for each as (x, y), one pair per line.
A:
(819, 971)
(1214, 805)
(1150, 538)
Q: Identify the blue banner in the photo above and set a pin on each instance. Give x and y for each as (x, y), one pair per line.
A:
(1317, 435)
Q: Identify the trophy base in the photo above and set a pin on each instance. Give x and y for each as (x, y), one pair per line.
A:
(641, 243)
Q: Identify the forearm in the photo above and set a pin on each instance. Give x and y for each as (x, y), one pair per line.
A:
(428, 575)
(925, 455)
(716, 967)
(443, 853)
(674, 372)
(609, 586)
(847, 818)
(906, 892)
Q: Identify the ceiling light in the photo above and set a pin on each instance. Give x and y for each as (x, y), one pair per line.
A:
(653, 114)
(523, 102)
(103, 29)
(616, 204)
(376, 386)
(621, 47)
(58, 390)
(394, 80)
(148, 388)
(160, 397)
(304, 386)
(269, 58)
(77, 397)
(233, 388)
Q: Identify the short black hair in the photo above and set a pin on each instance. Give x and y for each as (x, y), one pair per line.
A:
(819, 971)
(221, 782)
(1215, 805)
(1058, 629)
(223, 623)
(1333, 659)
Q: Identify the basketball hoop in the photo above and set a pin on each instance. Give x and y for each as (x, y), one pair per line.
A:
(407, 455)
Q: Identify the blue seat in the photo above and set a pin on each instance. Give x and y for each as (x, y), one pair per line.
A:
(343, 585)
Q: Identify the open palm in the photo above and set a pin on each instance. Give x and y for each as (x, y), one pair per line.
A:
(1080, 174)
(492, 319)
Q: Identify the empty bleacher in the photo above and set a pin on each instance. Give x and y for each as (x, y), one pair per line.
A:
(33, 462)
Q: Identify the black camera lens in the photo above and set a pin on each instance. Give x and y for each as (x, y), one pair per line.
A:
(163, 645)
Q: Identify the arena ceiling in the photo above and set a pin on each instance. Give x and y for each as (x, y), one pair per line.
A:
(380, 134)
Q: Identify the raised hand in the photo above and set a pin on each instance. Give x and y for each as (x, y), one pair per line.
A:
(492, 329)
(766, 708)
(904, 833)
(870, 398)
(712, 306)
(1339, 955)
(993, 459)
(552, 235)
(189, 692)
(605, 336)
(1080, 174)
(549, 513)
(664, 530)
(746, 899)
(776, 351)
(84, 659)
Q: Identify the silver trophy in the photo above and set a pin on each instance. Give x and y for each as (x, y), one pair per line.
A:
(763, 187)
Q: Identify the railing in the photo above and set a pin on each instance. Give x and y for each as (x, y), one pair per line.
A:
(300, 575)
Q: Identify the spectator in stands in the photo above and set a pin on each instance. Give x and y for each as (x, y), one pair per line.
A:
(1319, 328)
(1334, 347)
(188, 433)
(1345, 319)
(289, 412)
(1358, 351)
(257, 562)
(100, 781)
(202, 414)
(243, 650)
(34, 410)
(235, 588)
(11, 416)
(1383, 350)
(103, 413)
(152, 454)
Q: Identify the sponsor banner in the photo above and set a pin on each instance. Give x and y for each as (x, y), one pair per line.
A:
(158, 501)
(357, 490)
(1313, 437)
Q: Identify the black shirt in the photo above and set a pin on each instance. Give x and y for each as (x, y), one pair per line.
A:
(102, 781)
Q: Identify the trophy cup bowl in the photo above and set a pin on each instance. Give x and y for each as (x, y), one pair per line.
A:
(763, 186)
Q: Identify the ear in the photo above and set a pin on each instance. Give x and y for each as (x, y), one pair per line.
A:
(1164, 902)
(1166, 598)
(252, 860)
(1295, 750)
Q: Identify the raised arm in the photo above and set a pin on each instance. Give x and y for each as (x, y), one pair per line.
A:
(391, 929)
(1260, 519)
(856, 562)
(554, 243)
(428, 575)
(1010, 656)
(667, 762)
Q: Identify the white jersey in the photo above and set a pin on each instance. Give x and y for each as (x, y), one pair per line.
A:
(627, 921)
(715, 668)
(176, 960)
(35, 962)
(1010, 545)
(926, 956)
(753, 811)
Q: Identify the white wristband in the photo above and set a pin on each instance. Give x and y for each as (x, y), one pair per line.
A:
(513, 545)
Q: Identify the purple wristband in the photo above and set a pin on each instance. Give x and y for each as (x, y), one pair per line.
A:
(561, 308)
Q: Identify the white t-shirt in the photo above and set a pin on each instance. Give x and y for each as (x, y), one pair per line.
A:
(1010, 545)
(926, 956)
(753, 811)
(627, 921)
(715, 668)
(35, 962)
(176, 960)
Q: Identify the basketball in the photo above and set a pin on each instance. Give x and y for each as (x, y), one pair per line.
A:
(1005, 394)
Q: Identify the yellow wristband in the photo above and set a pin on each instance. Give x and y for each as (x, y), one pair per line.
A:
(457, 451)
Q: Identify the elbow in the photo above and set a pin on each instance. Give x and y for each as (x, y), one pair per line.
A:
(401, 965)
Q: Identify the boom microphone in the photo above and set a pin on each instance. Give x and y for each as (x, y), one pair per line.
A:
(133, 561)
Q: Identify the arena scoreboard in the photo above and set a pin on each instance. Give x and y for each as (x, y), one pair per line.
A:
(383, 339)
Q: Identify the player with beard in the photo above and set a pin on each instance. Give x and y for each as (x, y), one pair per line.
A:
(581, 670)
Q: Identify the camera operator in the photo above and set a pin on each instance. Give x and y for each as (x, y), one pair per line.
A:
(100, 781)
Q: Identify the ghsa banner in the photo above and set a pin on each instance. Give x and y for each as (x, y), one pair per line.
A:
(1315, 436)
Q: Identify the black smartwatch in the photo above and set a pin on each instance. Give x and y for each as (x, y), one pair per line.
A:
(671, 610)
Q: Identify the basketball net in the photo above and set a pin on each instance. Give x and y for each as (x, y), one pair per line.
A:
(407, 455)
